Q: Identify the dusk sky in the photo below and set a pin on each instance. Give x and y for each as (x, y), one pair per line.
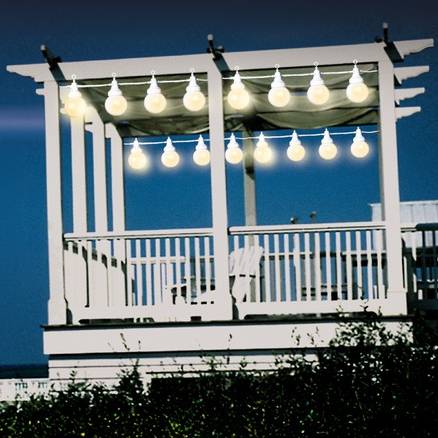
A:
(339, 191)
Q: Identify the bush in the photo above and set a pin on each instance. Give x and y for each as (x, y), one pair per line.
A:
(371, 383)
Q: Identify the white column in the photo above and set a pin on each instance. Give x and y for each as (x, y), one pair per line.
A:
(57, 306)
(78, 175)
(219, 195)
(249, 183)
(117, 293)
(389, 187)
(99, 296)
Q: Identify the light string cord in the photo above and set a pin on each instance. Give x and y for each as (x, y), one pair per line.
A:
(268, 137)
(228, 78)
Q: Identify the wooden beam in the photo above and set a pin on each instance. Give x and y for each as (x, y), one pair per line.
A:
(403, 73)
(407, 93)
(406, 111)
(410, 47)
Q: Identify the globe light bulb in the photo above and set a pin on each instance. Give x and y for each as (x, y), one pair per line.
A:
(317, 93)
(115, 103)
(233, 154)
(194, 99)
(74, 104)
(137, 160)
(328, 149)
(357, 90)
(170, 157)
(295, 151)
(238, 97)
(154, 102)
(262, 152)
(359, 147)
(201, 156)
(278, 95)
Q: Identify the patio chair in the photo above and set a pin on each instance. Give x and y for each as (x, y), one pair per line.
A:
(243, 264)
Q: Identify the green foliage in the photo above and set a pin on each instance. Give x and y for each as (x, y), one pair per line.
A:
(370, 383)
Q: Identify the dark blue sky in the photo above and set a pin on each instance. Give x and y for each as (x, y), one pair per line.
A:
(81, 30)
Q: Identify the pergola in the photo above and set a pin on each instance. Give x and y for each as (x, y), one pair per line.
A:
(382, 108)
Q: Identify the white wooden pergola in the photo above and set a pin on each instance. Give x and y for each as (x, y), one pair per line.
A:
(390, 95)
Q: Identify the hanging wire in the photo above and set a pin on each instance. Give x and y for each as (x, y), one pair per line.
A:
(227, 78)
(269, 137)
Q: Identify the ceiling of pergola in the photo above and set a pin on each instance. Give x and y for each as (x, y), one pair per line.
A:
(261, 115)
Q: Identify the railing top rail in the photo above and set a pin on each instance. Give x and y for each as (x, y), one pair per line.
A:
(302, 228)
(432, 226)
(140, 234)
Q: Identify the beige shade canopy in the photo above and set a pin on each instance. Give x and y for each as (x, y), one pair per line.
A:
(260, 114)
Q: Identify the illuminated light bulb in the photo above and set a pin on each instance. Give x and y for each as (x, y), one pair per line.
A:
(115, 103)
(328, 149)
(170, 157)
(194, 99)
(357, 90)
(262, 152)
(154, 101)
(233, 154)
(137, 160)
(238, 97)
(74, 104)
(317, 93)
(359, 147)
(278, 95)
(201, 156)
(295, 151)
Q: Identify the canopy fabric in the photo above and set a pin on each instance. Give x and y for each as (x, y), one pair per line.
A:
(260, 115)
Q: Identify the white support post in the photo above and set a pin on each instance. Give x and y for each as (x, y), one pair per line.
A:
(249, 182)
(118, 290)
(389, 187)
(219, 196)
(78, 175)
(57, 306)
(97, 129)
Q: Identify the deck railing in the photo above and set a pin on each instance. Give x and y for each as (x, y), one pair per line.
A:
(314, 268)
(150, 274)
(169, 274)
(420, 262)
(283, 269)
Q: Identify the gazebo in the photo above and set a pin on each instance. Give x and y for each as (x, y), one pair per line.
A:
(165, 297)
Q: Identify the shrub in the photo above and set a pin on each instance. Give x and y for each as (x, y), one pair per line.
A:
(370, 383)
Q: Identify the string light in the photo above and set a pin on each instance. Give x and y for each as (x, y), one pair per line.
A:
(233, 154)
(74, 104)
(154, 102)
(262, 152)
(359, 148)
(201, 156)
(137, 160)
(194, 99)
(170, 157)
(278, 95)
(295, 151)
(238, 97)
(328, 149)
(317, 93)
(357, 90)
(115, 103)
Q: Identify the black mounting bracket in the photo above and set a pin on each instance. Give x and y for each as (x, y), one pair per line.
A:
(217, 51)
(390, 48)
(53, 62)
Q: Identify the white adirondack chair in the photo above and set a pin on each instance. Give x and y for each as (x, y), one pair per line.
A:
(243, 264)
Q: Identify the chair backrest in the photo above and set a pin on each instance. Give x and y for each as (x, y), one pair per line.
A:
(243, 264)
